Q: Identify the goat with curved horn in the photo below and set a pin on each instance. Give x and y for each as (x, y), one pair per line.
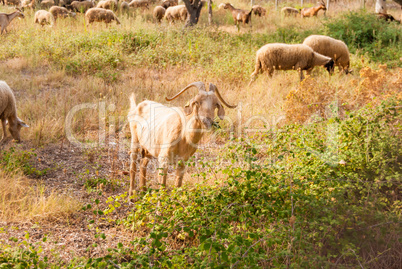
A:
(170, 134)
(200, 85)
(213, 88)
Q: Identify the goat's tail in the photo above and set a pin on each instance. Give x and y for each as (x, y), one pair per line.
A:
(133, 105)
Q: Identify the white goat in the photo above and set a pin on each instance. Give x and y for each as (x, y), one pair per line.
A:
(5, 19)
(8, 113)
(170, 134)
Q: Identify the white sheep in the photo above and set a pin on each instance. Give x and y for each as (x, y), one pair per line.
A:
(159, 13)
(331, 47)
(288, 57)
(43, 17)
(8, 113)
(259, 10)
(5, 19)
(108, 4)
(170, 134)
(176, 13)
(139, 3)
(81, 6)
(290, 11)
(61, 12)
(47, 3)
(99, 14)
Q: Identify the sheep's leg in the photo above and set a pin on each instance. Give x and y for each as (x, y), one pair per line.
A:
(143, 172)
(163, 165)
(180, 173)
(133, 169)
(3, 123)
(301, 74)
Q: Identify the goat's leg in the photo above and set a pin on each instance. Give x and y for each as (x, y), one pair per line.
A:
(133, 168)
(143, 173)
(180, 173)
(163, 165)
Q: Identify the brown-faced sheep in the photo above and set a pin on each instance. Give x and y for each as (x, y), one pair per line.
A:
(259, 10)
(169, 3)
(159, 13)
(278, 56)
(331, 47)
(43, 17)
(8, 113)
(290, 11)
(313, 11)
(176, 13)
(5, 19)
(61, 12)
(108, 4)
(386, 17)
(81, 7)
(139, 3)
(99, 14)
(239, 15)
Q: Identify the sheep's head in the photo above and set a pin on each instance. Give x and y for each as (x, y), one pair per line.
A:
(15, 125)
(204, 103)
(329, 66)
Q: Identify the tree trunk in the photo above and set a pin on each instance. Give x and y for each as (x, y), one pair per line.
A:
(194, 10)
(210, 12)
(380, 6)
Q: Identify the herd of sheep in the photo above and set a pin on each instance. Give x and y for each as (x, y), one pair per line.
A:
(104, 11)
(172, 130)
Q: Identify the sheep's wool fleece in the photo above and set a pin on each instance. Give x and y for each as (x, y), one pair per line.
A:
(328, 46)
(285, 57)
(7, 101)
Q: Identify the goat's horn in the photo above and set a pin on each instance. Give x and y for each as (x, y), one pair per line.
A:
(200, 85)
(213, 88)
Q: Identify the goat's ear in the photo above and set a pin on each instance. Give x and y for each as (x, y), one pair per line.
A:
(189, 107)
(221, 111)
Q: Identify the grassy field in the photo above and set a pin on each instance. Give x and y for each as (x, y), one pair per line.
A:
(300, 175)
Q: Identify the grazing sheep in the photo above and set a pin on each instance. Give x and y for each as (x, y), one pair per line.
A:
(61, 12)
(170, 134)
(259, 10)
(169, 3)
(159, 13)
(330, 47)
(5, 19)
(139, 3)
(176, 13)
(99, 14)
(81, 7)
(239, 15)
(43, 17)
(8, 113)
(290, 11)
(108, 4)
(386, 17)
(221, 6)
(28, 4)
(313, 11)
(12, 2)
(288, 57)
(124, 7)
(47, 3)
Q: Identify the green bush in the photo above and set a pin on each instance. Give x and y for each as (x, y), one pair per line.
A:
(365, 33)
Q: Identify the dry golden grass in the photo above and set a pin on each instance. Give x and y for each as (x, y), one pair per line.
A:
(22, 199)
